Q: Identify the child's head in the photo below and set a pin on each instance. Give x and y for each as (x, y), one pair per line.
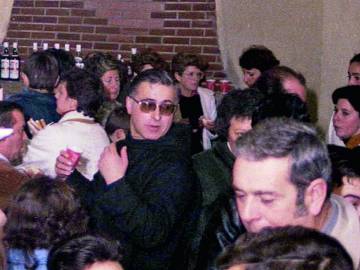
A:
(41, 71)
(43, 212)
(117, 124)
(85, 252)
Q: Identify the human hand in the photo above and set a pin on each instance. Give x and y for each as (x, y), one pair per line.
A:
(36, 125)
(113, 166)
(63, 166)
(206, 123)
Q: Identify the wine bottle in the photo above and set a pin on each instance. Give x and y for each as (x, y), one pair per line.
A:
(78, 57)
(14, 63)
(5, 62)
(35, 47)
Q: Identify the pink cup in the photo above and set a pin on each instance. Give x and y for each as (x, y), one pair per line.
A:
(210, 84)
(74, 154)
(224, 86)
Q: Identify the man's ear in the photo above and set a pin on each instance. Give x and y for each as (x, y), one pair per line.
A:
(128, 104)
(25, 79)
(315, 196)
(177, 76)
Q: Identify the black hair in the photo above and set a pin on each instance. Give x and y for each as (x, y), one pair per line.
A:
(182, 60)
(65, 60)
(236, 103)
(355, 58)
(85, 88)
(81, 252)
(259, 57)
(42, 70)
(148, 56)
(118, 119)
(349, 92)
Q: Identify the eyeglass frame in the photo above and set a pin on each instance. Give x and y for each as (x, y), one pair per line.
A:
(143, 101)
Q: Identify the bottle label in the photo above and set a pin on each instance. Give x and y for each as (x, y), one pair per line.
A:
(14, 69)
(5, 71)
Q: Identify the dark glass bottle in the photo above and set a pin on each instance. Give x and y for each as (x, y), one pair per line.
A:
(14, 63)
(5, 62)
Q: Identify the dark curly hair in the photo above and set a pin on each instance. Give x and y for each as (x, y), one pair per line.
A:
(259, 57)
(182, 60)
(237, 103)
(43, 212)
(85, 88)
(148, 56)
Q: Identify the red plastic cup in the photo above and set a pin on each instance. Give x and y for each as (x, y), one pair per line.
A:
(224, 86)
(74, 154)
(210, 84)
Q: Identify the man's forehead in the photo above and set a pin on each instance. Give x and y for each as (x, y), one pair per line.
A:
(156, 91)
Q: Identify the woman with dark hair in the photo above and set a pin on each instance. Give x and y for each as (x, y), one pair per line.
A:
(255, 60)
(197, 104)
(106, 68)
(42, 213)
(347, 114)
(78, 98)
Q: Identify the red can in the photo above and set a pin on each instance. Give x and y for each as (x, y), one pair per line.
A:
(224, 86)
(210, 84)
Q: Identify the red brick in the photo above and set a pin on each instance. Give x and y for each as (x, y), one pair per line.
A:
(42, 35)
(204, 41)
(210, 33)
(33, 11)
(67, 36)
(162, 32)
(148, 40)
(95, 21)
(107, 30)
(162, 48)
(120, 39)
(70, 20)
(58, 12)
(188, 49)
(202, 24)
(177, 6)
(208, 58)
(163, 15)
(15, 11)
(192, 15)
(18, 34)
(203, 7)
(219, 75)
(215, 66)
(190, 32)
(47, 4)
(72, 4)
(56, 28)
(93, 37)
(212, 50)
(106, 46)
(23, 3)
(44, 19)
(25, 26)
(82, 29)
(210, 15)
(177, 23)
(83, 13)
(176, 40)
(21, 18)
(134, 31)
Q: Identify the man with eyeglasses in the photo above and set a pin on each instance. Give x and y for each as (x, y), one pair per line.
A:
(145, 190)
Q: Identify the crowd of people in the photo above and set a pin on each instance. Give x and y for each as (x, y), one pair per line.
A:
(102, 170)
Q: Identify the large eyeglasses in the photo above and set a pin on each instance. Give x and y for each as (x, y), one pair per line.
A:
(150, 105)
(198, 75)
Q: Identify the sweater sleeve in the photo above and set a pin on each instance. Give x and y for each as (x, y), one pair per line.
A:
(150, 213)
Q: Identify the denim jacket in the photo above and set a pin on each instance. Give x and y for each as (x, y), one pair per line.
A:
(17, 259)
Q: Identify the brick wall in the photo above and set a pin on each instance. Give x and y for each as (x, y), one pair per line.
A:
(168, 26)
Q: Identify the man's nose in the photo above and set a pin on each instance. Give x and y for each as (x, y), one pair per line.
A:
(156, 114)
(248, 211)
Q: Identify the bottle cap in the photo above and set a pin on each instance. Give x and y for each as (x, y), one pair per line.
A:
(45, 46)
(119, 57)
(78, 47)
(6, 44)
(67, 47)
(35, 46)
(57, 46)
(15, 45)
(133, 50)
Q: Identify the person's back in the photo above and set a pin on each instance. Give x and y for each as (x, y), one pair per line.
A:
(40, 75)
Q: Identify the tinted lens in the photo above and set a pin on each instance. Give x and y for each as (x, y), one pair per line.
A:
(167, 108)
(147, 106)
